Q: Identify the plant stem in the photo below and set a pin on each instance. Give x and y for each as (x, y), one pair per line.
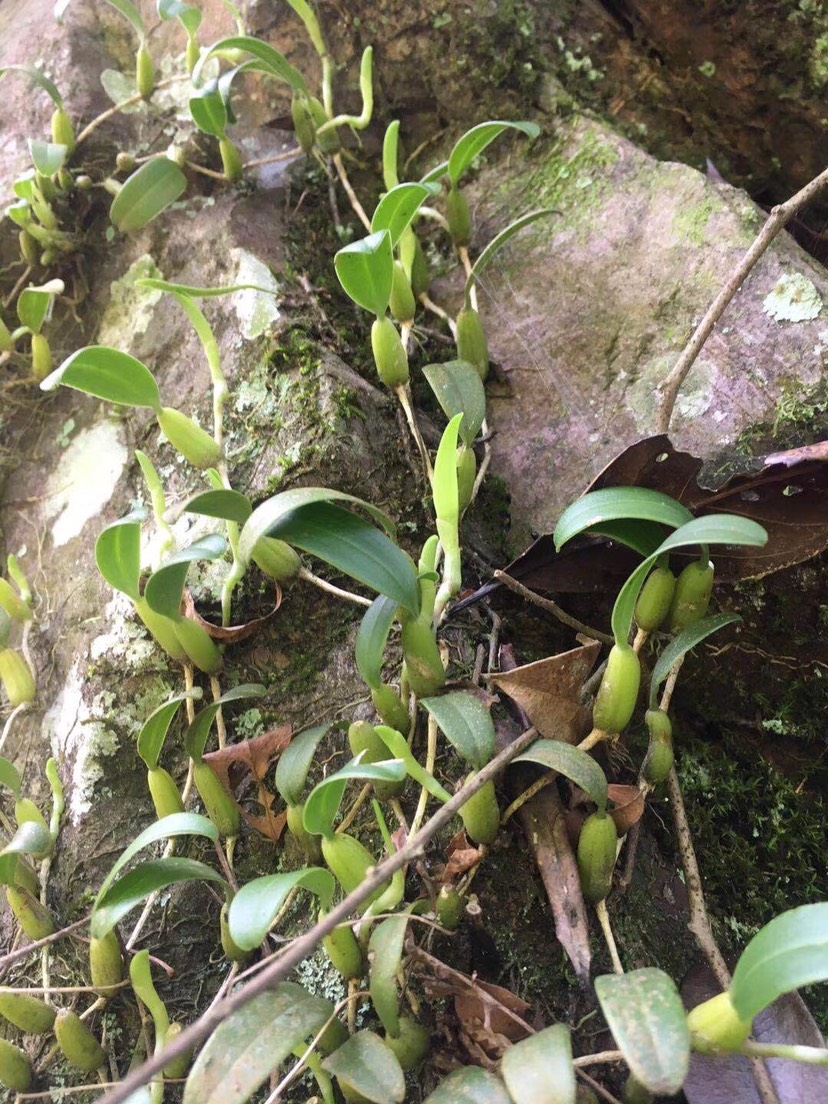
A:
(300, 948)
(110, 111)
(403, 393)
(431, 757)
(349, 191)
(12, 717)
(780, 216)
(606, 927)
(329, 588)
(351, 815)
(30, 948)
(812, 1056)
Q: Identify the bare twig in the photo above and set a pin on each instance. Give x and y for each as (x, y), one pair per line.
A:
(30, 948)
(780, 216)
(344, 180)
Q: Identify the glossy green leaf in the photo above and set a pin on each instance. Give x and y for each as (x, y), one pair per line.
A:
(354, 547)
(257, 904)
(680, 645)
(192, 292)
(466, 723)
(189, 15)
(308, 17)
(398, 747)
(118, 553)
(372, 638)
(195, 738)
(711, 529)
(107, 374)
(390, 154)
(642, 536)
(789, 952)
(36, 76)
(251, 1044)
(366, 271)
(459, 390)
(646, 1016)
(9, 776)
(385, 951)
(165, 587)
(270, 513)
(618, 503)
(134, 887)
(369, 1067)
(497, 243)
(470, 1085)
(179, 824)
(34, 304)
(397, 208)
(47, 157)
(295, 762)
(226, 504)
(476, 140)
(539, 1070)
(146, 193)
(325, 798)
(31, 838)
(20, 213)
(268, 60)
(209, 111)
(574, 764)
(154, 730)
(444, 486)
(140, 974)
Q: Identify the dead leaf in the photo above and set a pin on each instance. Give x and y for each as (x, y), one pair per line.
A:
(462, 857)
(549, 691)
(629, 804)
(232, 634)
(254, 758)
(787, 492)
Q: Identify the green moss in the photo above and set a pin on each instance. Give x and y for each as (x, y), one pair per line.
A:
(690, 223)
(818, 62)
(574, 184)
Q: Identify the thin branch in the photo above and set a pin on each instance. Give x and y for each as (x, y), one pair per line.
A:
(329, 588)
(30, 948)
(780, 216)
(302, 947)
(344, 180)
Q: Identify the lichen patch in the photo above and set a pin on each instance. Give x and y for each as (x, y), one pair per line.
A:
(256, 310)
(793, 299)
(85, 480)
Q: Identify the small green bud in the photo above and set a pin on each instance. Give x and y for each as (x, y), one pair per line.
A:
(403, 304)
(390, 356)
(276, 558)
(328, 142)
(471, 341)
(178, 1067)
(423, 663)
(33, 917)
(618, 693)
(655, 599)
(218, 804)
(164, 792)
(41, 357)
(411, 1045)
(16, 677)
(597, 848)
(144, 72)
(691, 597)
(193, 53)
(63, 133)
(28, 250)
(715, 1026)
(194, 443)
(79, 1046)
(459, 216)
(198, 644)
(349, 862)
(15, 1067)
(450, 908)
(232, 950)
(659, 759)
(420, 275)
(231, 161)
(83, 182)
(310, 844)
(466, 475)
(345, 953)
(124, 162)
(106, 964)
(391, 709)
(481, 814)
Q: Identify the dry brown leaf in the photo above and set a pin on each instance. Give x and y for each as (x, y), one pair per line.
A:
(254, 758)
(629, 804)
(548, 691)
(232, 634)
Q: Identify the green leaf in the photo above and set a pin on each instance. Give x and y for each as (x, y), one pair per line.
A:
(195, 738)
(140, 974)
(497, 243)
(372, 638)
(398, 747)
(165, 587)
(397, 208)
(539, 1070)
(146, 193)
(154, 730)
(325, 798)
(9, 776)
(107, 374)
(390, 154)
(474, 141)
(385, 951)
(209, 111)
(198, 292)
(226, 504)
(366, 271)
(47, 157)
(467, 725)
(470, 1085)
(368, 1066)
(711, 529)
(118, 553)
(459, 390)
(354, 547)
(642, 536)
(179, 824)
(308, 17)
(680, 645)
(140, 883)
(130, 12)
(257, 904)
(36, 77)
(35, 304)
(31, 838)
(789, 952)
(245, 1049)
(618, 503)
(295, 762)
(189, 15)
(646, 1016)
(574, 764)
(444, 485)
(270, 512)
(268, 61)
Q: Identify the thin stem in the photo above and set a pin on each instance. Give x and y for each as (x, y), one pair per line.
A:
(196, 168)
(430, 305)
(487, 459)
(221, 727)
(552, 607)
(603, 1058)
(30, 948)
(150, 905)
(812, 1056)
(597, 736)
(12, 717)
(288, 155)
(780, 216)
(527, 795)
(606, 928)
(351, 815)
(110, 111)
(301, 948)
(403, 393)
(431, 757)
(329, 588)
(45, 989)
(349, 191)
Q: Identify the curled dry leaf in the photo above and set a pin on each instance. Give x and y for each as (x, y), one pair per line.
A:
(233, 634)
(253, 758)
(627, 806)
(549, 691)
(462, 857)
